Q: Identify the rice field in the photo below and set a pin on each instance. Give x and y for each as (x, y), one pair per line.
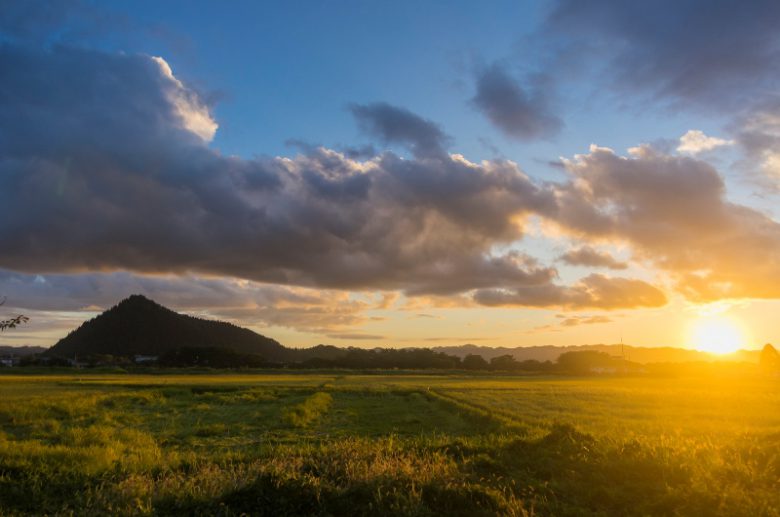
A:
(307, 443)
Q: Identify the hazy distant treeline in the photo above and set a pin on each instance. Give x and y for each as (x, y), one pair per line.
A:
(586, 362)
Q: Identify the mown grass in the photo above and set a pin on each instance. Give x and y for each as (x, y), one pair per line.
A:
(297, 444)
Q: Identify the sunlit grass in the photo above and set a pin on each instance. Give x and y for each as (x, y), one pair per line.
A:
(389, 444)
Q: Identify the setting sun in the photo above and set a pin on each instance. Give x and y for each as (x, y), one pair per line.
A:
(717, 335)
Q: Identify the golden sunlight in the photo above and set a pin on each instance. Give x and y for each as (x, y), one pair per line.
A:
(717, 334)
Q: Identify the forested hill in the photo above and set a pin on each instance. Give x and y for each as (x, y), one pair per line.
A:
(138, 325)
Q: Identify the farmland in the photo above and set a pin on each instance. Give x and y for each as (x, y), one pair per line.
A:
(388, 443)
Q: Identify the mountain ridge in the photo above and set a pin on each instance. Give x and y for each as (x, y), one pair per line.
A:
(638, 354)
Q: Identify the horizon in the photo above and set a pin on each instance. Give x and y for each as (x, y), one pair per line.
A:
(458, 349)
(396, 175)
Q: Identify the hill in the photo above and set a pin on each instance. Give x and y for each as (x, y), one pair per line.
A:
(139, 326)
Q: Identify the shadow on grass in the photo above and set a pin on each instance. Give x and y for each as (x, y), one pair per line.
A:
(275, 496)
(572, 473)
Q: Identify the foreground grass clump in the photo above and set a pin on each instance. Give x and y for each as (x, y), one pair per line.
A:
(388, 445)
(309, 410)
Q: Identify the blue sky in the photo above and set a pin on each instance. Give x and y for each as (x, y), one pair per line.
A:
(315, 170)
(287, 70)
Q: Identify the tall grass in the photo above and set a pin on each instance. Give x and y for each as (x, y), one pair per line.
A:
(388, 445)
(308, 411)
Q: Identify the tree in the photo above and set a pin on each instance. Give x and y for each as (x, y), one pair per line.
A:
(474, 362)
(504, 362)
(12, 322)
(769, 359)
(582, 362)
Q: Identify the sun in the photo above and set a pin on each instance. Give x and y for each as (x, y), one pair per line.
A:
(717, 334)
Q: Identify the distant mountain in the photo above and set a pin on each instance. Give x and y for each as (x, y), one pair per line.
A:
(139, 326)
(20, 351)
(636, 354)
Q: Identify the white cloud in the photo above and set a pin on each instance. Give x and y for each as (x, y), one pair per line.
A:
(695, 142)
(194, 115)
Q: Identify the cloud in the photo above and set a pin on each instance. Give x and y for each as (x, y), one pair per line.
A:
(714, 54)
(109, 171)
(590, 257)
(396, 125)
(695, 142)
(193, 114)
(758, 133)
(673, 212)
(523, 114)
(716, 57)
(361, 337)
(592, 292)
(250, 303)
(568, 321)
(573, 321)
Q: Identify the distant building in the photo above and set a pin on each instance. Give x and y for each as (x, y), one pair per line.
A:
(9, 360)
(145, 359)
(75, 363)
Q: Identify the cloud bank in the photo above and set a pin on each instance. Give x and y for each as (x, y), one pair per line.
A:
(111, 171)
(673, 212)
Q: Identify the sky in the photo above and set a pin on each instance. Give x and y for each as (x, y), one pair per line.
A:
(396, 173)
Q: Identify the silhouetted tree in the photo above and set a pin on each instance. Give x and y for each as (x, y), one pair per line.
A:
(12, 322)
(532, 365)
(504, 362)
(769, 358)
(475, 362)
(584, 361)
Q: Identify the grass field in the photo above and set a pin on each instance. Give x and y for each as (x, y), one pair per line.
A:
(388, 444)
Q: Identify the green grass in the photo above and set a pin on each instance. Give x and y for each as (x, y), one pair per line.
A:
(388, 444)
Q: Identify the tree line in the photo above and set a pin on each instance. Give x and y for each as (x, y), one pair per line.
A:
(348, 358)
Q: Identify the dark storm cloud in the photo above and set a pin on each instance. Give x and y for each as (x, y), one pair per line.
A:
(715, 53)
(400, 126)
(590, 257)
(521, 113)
